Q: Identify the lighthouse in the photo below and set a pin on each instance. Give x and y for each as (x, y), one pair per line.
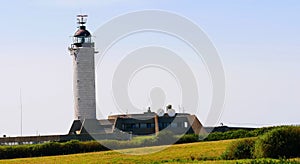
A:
(83, 53)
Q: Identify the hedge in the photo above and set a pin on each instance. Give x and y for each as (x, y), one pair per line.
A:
(48, 149)
(282, 142)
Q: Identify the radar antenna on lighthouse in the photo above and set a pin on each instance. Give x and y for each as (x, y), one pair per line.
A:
(81, 19)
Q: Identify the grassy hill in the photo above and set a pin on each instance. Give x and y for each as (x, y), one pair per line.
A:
(206, 152)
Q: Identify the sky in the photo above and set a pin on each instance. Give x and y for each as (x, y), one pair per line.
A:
(258, 42)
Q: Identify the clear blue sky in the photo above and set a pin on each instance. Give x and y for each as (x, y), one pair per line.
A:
(258, 41)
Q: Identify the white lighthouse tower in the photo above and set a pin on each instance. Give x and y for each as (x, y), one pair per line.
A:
(83, 52)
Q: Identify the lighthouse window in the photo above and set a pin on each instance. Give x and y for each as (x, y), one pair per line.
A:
(78, 40)
(81, 40)
(88, 40)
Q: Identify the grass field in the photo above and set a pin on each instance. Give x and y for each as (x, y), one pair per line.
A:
(206, 152)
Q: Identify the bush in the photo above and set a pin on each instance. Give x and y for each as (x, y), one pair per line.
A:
(188, 138)
(232, 134)
(51, 148)
(240, 149)
(260, 131)
(282, 142)
(71, 147)
(91, 146)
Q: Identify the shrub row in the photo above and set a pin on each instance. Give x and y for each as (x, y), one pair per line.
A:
(234, 134)
(188, 138)
(74, 146)
(281, 142)
(48, 149)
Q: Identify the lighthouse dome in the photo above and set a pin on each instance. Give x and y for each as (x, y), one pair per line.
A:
(82, 32)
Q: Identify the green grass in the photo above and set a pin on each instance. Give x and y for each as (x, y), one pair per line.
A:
(204, 152)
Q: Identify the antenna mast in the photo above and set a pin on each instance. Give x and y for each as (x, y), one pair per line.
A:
(21, 106)
(81, 19)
